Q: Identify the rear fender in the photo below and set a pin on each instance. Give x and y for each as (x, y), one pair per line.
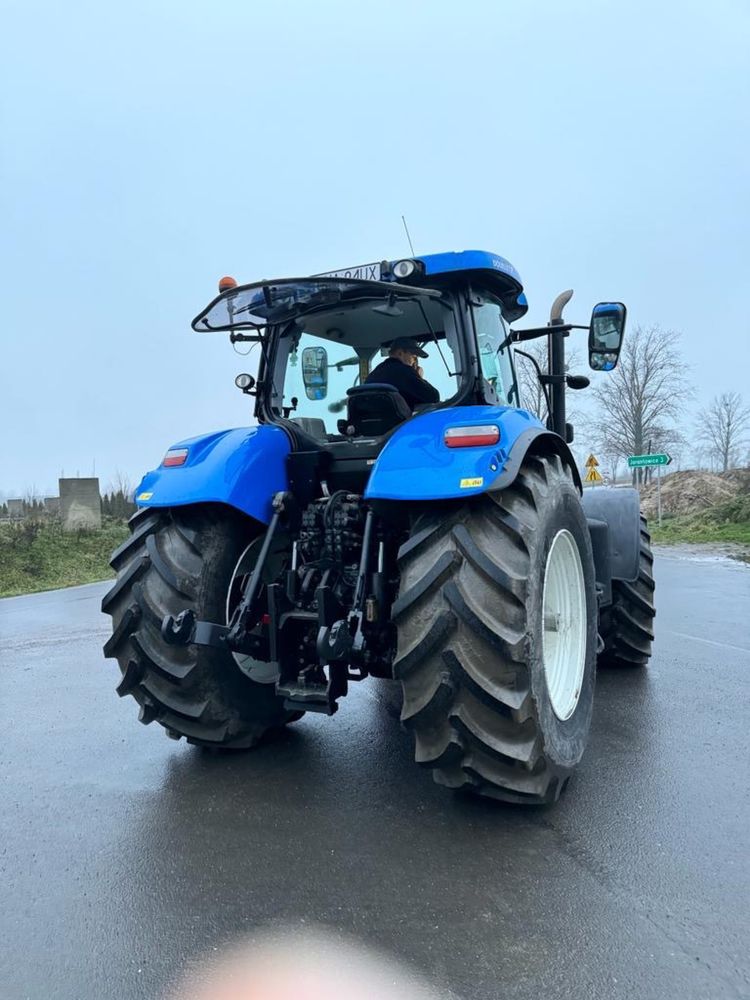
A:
(243, 468)
(536, 441)
(416, 464)
(620, 509)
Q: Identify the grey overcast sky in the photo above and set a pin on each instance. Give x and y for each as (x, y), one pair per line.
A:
(148, 148)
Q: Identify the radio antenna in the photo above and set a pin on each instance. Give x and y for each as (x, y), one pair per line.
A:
(406, 230)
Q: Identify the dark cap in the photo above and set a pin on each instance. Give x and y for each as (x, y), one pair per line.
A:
(410, 345)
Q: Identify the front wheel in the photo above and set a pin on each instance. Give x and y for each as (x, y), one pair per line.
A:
(497, 633)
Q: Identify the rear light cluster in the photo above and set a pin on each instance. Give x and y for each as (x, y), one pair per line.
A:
(470, 437)
(175, 456)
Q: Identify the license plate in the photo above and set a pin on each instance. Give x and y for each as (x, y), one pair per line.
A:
(363, 272)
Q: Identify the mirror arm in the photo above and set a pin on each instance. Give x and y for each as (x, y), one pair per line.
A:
(239, 338)
(518, 336)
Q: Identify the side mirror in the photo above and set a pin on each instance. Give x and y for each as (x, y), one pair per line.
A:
(605, 335)
(315, 372)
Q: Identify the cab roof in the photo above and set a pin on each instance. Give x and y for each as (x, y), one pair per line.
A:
(488, 271)
(425, 275)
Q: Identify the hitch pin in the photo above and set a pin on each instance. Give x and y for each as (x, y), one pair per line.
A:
(294, 556)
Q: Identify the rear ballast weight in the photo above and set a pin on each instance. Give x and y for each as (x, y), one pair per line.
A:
(342, 538)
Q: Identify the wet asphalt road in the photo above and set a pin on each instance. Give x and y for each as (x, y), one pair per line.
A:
(124, 855)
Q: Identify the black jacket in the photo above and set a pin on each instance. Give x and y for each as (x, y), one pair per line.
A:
(403, 377)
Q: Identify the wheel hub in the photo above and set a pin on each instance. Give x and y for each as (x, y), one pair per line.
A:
(564, 624)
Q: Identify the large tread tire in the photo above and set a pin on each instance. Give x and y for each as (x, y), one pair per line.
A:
(180, 558)
(469, 619)
(627, 626)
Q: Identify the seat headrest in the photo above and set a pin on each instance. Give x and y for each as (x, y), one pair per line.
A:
(375, 408)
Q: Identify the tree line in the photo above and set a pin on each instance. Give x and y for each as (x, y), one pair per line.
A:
(118, 504)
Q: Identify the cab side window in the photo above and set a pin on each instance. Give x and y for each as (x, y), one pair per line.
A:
(495, 356)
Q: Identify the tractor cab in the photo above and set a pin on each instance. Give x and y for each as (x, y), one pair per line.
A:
(321, 338)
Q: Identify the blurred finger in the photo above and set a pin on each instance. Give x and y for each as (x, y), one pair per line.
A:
(310, 966)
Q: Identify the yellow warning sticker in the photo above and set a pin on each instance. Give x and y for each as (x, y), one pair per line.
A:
(144, 496)
(467, 484)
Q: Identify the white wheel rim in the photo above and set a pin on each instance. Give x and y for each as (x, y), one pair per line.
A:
(564, 624)
(257, 670)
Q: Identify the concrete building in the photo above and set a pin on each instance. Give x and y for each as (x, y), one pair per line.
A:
(80, 503)
(15, 509)
(52, 506)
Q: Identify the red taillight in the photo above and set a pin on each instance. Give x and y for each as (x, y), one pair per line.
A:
(469, 437)
(175, 456)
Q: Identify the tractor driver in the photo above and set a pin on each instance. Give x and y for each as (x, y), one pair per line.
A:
(401, 369)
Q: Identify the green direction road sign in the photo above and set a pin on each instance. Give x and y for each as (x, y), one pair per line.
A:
(639, 461)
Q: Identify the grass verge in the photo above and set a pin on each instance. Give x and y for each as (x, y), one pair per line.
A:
(726, 522)
(38, 556)
(676, 530)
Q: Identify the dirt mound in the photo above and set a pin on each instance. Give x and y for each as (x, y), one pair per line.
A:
(691, 492)
(739, 478)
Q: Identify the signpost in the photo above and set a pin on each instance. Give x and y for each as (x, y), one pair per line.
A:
(645, 461)
(592, 476)
(642, 461)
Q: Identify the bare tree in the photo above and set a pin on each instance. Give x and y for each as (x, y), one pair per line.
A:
(644, 395)
(121, 483)
(723, 427)
(119, 500)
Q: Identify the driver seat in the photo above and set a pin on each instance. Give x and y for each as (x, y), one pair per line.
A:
(375, 408)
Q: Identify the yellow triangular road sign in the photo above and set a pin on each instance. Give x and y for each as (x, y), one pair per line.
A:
(591, 462)
(592, 476)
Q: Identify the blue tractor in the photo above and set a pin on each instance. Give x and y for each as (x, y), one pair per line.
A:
(354, 531)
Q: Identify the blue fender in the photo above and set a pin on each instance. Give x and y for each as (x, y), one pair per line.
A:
(416, 464)
(243, 467)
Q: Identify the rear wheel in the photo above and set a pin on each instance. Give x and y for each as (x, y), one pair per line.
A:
(627, 627)
(497, 637)
(189, 557)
